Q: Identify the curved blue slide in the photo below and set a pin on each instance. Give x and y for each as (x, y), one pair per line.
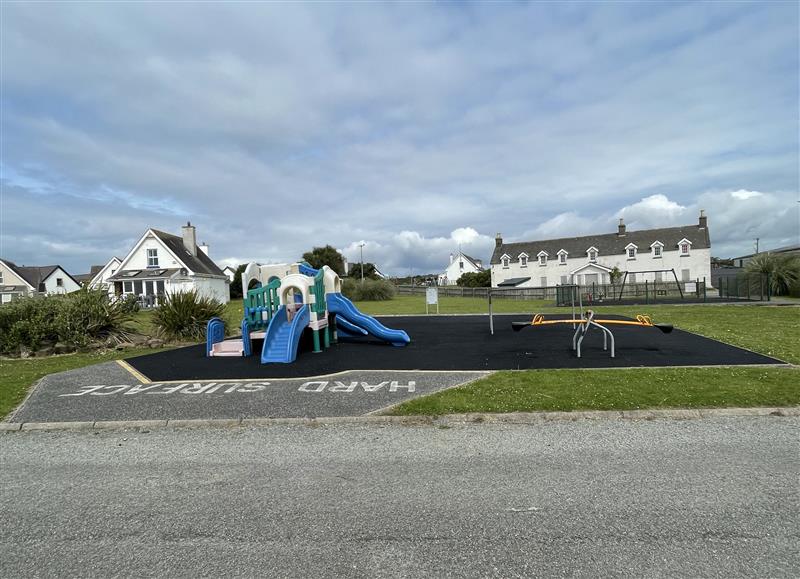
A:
(283, 336)
(346, 310)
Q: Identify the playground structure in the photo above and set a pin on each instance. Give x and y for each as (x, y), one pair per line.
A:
(281, 302)
(585, 320)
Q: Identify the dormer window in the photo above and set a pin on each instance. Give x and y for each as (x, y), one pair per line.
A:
(684, 246)
(592, 253)
(630, 250)
(542, 255)
(657, 249)
(505, 260)
(562, 257)
(523, 260)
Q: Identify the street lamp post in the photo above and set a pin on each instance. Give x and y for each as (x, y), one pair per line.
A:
(361, 247)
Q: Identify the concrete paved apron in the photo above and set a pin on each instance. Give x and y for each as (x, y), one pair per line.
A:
(110, 392)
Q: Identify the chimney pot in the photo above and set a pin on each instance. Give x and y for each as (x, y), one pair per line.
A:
(703, 221)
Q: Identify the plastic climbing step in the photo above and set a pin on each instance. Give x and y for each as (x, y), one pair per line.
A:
(228, 348)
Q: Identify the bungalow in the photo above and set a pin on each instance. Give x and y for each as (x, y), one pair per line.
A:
(161, 264)
(230, 272)
(646, 255)
(17, 281)
(98, 274)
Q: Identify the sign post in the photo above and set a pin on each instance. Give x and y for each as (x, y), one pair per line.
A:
(432, 298)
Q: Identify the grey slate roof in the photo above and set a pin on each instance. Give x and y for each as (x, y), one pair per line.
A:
(199, 263)
(608, 243)
(36, 274)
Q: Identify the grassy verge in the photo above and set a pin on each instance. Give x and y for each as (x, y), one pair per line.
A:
(17, 376)
(565, 390)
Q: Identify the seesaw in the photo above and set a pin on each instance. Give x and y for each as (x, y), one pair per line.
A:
(587, 321)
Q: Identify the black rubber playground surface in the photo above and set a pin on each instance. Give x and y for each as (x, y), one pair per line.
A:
(461, 343)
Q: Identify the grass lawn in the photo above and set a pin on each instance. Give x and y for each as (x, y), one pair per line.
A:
(17, 376)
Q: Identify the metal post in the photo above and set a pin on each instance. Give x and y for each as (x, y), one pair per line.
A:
(491, 318)
(361, 248)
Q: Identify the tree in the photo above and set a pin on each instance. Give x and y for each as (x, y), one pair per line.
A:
(370, 271)
(236, 284)
(783, 270)
(327, 255)
(615, 275)
(475, 279)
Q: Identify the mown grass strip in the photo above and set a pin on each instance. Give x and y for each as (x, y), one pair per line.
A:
(566, 390)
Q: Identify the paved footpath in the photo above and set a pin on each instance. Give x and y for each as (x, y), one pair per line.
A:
(110, 392)
(714, 497)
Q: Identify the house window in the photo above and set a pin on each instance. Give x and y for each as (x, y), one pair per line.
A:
(686, 275)
(461, 265)
(656, 251)
(632, 277)
(523, 260)
(60, 281)
(592, 256)
(564, 280)
(542, 260)
(658, 276)
(152, 258)
(562, 258)
(1, 277)
(505, 261)
(544, 281)
(630, 251)
(127, 287)
(684, 248)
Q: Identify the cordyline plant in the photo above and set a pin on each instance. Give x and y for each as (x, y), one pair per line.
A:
(184, 315)
(783, 270)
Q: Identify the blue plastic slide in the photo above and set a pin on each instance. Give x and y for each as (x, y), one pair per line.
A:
(283, 336)
(347, 329)
(346, 310)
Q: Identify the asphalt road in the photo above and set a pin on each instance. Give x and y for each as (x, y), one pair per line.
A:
(700, 498)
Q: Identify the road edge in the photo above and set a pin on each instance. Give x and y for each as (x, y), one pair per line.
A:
(416, 420)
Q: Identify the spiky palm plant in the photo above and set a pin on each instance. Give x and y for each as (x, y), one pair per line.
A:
(184, 315)
(783, 270)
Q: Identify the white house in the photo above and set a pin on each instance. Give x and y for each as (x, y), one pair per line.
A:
(460, 264)
(99, 275)
(647, 255)
(230, 272)
(16, 280)
(162, 264)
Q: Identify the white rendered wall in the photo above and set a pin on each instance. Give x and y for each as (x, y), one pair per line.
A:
(138, 260)
(51, 283)
(453, 271)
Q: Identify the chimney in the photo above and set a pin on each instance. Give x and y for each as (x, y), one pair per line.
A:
(189, 238)
(498, 240)
(451, 258)
(204, 247)
(703, 222)
(621, 228)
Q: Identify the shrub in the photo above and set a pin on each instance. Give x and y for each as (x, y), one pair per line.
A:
(129, 303)
(371, 290)
(475, 279)
(76, 318)
(184, 315)
(87, 315)
(783, 270)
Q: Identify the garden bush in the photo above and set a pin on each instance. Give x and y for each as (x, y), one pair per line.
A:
(184, 315)
(370, 290)
(76, 319)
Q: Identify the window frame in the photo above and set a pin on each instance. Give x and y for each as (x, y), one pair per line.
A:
(150, 258)
(523, 259)
(631, 248)
(505, 261)
(563, 255)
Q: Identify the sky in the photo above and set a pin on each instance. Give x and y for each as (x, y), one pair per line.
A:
(412, 129)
